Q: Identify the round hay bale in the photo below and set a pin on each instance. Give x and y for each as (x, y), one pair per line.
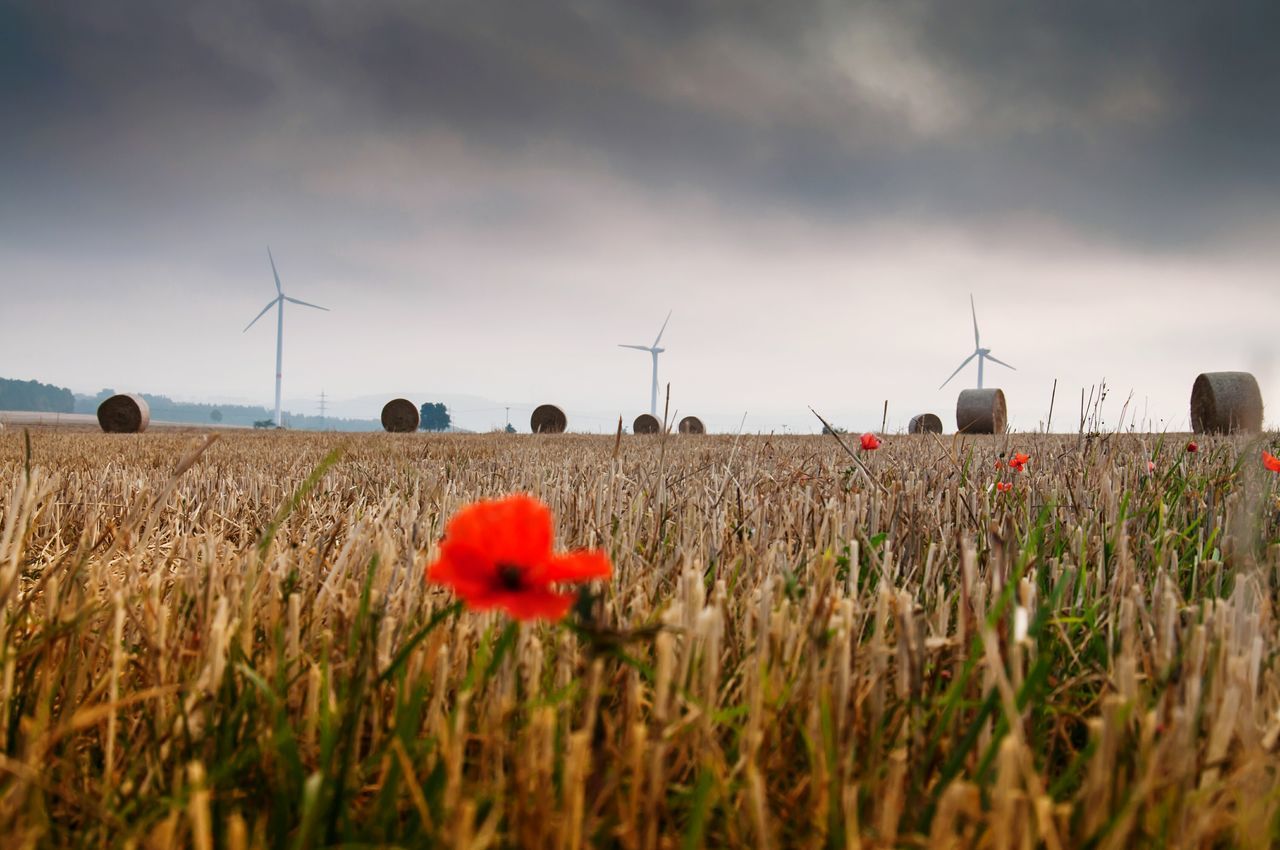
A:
(548, 419)
(1226, 403)
(125, 413)
(980, 412)
(925, 423)
(646, 424)
(400, 416)
(692, 425)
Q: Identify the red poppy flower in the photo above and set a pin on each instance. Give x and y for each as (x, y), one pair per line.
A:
(1019, 461)
(1270, 461)
(1004, 486)
(1193, 448)
(1151, 466)
(497, 554)
(870, 441)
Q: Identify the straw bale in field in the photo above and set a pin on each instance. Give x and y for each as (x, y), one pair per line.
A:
(925, 423)
(400, 416)
(1226, 403)
(692, 425)
(125, 413)
(646, 424)
(980, 412)
(548, 419)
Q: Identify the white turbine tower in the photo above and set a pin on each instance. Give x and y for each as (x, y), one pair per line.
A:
(978, 351)
(278, 303)
(655, 351)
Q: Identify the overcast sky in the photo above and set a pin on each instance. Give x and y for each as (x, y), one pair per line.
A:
(492, 196)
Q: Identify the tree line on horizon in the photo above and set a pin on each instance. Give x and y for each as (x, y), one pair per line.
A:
(434, 416)
(38, 397)
(35, 396)
(165, 409)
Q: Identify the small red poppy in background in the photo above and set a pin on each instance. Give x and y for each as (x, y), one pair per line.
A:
(497, 554)
(1004, 486)
(1270, 461)
(1019, 461)
(1193, 448)
(870, 441)
(1151, 466)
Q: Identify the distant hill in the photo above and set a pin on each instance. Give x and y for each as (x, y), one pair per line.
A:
(370, 406)
(470, 413)
(166, 409)
(35, 396)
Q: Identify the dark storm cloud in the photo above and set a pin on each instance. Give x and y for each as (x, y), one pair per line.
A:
(1148, 121)
(1163, 108)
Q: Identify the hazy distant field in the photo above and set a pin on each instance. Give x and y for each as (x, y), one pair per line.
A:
(1090, 659)
(22, 418)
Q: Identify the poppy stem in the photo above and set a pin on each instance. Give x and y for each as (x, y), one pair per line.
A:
(403, 655)
(504, 643)
(849, 451)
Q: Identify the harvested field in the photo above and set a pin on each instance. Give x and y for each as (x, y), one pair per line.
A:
(89, 421)
(236, 648)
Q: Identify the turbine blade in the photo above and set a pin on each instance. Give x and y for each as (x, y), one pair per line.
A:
(303, 303)
(662, 330)
(270, 304)
(274, 273)
(958, 368)
(976, 342)
(636, 347)
(1002, 363)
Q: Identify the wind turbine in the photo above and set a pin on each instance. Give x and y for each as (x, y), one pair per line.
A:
(655, 351)
(278, 302)
(978, 351)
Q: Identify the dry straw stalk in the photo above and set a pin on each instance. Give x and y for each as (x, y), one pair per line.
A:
(903, 657)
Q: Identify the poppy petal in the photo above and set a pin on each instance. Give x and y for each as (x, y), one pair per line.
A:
(531, 604)
(578, 566)
(497, 554)
(465, 576)
(514, 530)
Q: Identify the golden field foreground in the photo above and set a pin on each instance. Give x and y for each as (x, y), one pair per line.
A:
(210, 651)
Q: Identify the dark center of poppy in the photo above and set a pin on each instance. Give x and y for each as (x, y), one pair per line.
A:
(511, 577)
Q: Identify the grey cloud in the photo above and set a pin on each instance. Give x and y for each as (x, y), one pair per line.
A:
(1147, 121)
